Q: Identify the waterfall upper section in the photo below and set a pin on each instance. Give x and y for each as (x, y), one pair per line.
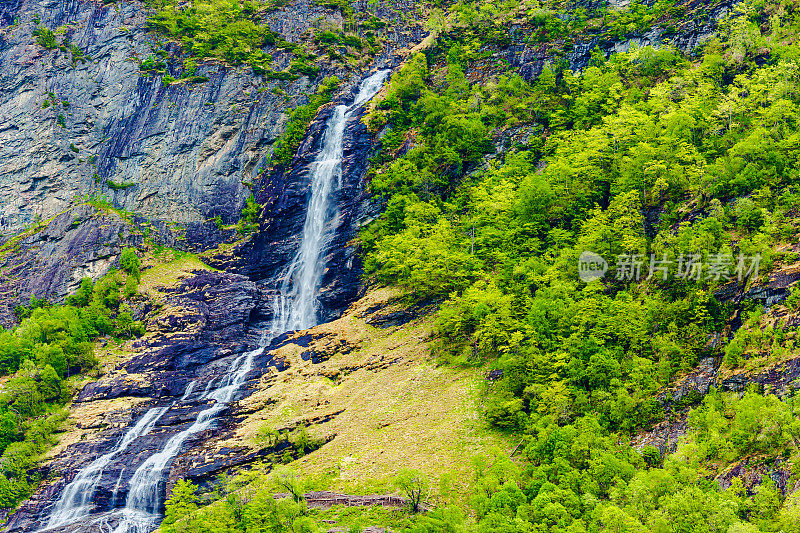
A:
(326, 263)
(296, 305)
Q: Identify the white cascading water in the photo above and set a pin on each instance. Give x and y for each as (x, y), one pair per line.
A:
(76, 499)
(295, 308)
(141, 512)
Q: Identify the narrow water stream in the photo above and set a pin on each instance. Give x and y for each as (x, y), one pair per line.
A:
(295, 308)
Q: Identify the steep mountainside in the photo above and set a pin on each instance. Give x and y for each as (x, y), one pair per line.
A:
(257, 251)
(91, 119)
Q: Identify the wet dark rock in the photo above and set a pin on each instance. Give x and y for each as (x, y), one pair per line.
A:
(494, 375)
(781, 380)
(665, 435)
(219, 306)
(691, 387)
(212, 465)
(214, 314)
(389, 315)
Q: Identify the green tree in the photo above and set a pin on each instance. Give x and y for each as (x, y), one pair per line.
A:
(415, 488)
(181, 503)
(130, 262)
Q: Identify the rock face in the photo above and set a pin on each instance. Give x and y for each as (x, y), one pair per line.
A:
(693, 28)
(182, 151)
(51, 261)
(198, 330)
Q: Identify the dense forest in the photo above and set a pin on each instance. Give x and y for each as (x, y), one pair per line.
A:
(492, 187)
(651, 152)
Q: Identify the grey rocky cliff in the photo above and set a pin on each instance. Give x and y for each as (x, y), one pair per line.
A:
(180, 154)
(189, 152)
(52, 261)
(186, 149)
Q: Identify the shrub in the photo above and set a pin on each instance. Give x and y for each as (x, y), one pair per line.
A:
(77, 54)
(415, 487)
(126, 326)
(114, 186)
(300, 118)
(248, 223)
(45, 37)
(130, 262)
(207, 28)
(152, 64)
(130, 287)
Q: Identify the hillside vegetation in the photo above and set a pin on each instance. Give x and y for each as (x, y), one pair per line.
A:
(646, 152)
(493, 187)
(44, 359)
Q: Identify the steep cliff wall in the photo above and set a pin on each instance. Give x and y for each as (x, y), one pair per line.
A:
(175, 155)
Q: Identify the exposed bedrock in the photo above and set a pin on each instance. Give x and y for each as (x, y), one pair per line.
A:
(194, 334)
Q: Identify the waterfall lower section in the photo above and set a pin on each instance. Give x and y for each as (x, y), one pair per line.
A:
(76, 499)
(294, 308)
(142, 506)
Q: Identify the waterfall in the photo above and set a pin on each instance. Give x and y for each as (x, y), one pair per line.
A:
(142, 506)
(76, 499)
(295, 308)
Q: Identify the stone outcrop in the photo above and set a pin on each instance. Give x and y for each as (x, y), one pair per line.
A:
(50, 261)
(326, 499)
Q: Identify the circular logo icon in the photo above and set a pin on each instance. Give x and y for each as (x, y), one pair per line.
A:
(591, 266)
